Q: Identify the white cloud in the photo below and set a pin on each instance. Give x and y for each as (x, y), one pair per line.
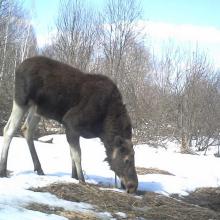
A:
(182, 32)
(43, 39)
(160, 34)
(44, 34)
(205, 38)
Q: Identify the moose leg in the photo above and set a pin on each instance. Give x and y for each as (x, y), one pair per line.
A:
(8, 132)
(28, 129)
(75, 153)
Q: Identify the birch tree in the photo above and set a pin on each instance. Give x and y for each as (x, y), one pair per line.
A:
(17, 42)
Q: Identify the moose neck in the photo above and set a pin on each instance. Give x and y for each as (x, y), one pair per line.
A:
(117, 123)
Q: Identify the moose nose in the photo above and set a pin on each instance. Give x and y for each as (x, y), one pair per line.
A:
(131, 187)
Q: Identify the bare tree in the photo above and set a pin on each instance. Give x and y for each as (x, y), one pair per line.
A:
(117, 31)
(76, 34)
(122, 53)
(17, 41)
(185, 98)
(174, 97)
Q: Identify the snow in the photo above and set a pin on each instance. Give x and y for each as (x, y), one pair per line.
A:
(189, 172)
(121, 214)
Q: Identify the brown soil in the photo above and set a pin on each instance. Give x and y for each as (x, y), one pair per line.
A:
(202, 204)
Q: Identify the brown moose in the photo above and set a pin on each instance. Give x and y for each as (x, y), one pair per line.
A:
(88, 105)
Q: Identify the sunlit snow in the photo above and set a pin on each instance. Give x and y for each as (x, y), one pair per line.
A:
(189, 172)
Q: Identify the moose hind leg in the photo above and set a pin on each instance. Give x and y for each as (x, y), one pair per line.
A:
(28, 129)
(8, 133)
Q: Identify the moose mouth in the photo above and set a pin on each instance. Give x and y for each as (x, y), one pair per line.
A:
(129, 186)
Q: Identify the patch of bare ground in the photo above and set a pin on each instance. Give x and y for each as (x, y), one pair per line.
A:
(205, 197)
(151, 170)
(147, 205)
(71, 215)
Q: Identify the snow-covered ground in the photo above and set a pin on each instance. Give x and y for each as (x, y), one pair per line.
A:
(189, 172)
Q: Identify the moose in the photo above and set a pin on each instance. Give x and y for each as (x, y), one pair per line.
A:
(88, 105)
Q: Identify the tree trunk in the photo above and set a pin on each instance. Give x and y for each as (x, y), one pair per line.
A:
(184, 144)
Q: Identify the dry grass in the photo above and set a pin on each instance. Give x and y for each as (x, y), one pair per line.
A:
(148, 206)
(151, 170)
(71, 215)
(203, 204)
(205, 197)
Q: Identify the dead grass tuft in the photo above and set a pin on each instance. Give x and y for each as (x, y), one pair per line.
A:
(151, 170)
(148, 206)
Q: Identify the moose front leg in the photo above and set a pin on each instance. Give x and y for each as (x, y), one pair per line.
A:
(71, 121)
(75, 153)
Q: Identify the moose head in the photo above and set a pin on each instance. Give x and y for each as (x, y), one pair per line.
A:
(121, 161)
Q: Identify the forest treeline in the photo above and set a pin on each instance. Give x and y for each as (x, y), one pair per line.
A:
(172, 97)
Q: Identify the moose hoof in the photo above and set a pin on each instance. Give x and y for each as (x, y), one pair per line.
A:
(40, 172)
(123, 186)
(3, 173)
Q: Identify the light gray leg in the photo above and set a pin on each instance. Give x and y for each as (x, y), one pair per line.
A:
(71, 120)
(28, 129)
(8, 133)
(75, 153)
(74, 171)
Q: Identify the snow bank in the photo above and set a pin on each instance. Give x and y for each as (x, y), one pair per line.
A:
(189, 172)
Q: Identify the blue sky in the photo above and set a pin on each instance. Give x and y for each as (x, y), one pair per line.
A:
(195, 12)
(185, 21)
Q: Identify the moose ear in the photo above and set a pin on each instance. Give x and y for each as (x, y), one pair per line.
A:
(106, 159)
(118, 141)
